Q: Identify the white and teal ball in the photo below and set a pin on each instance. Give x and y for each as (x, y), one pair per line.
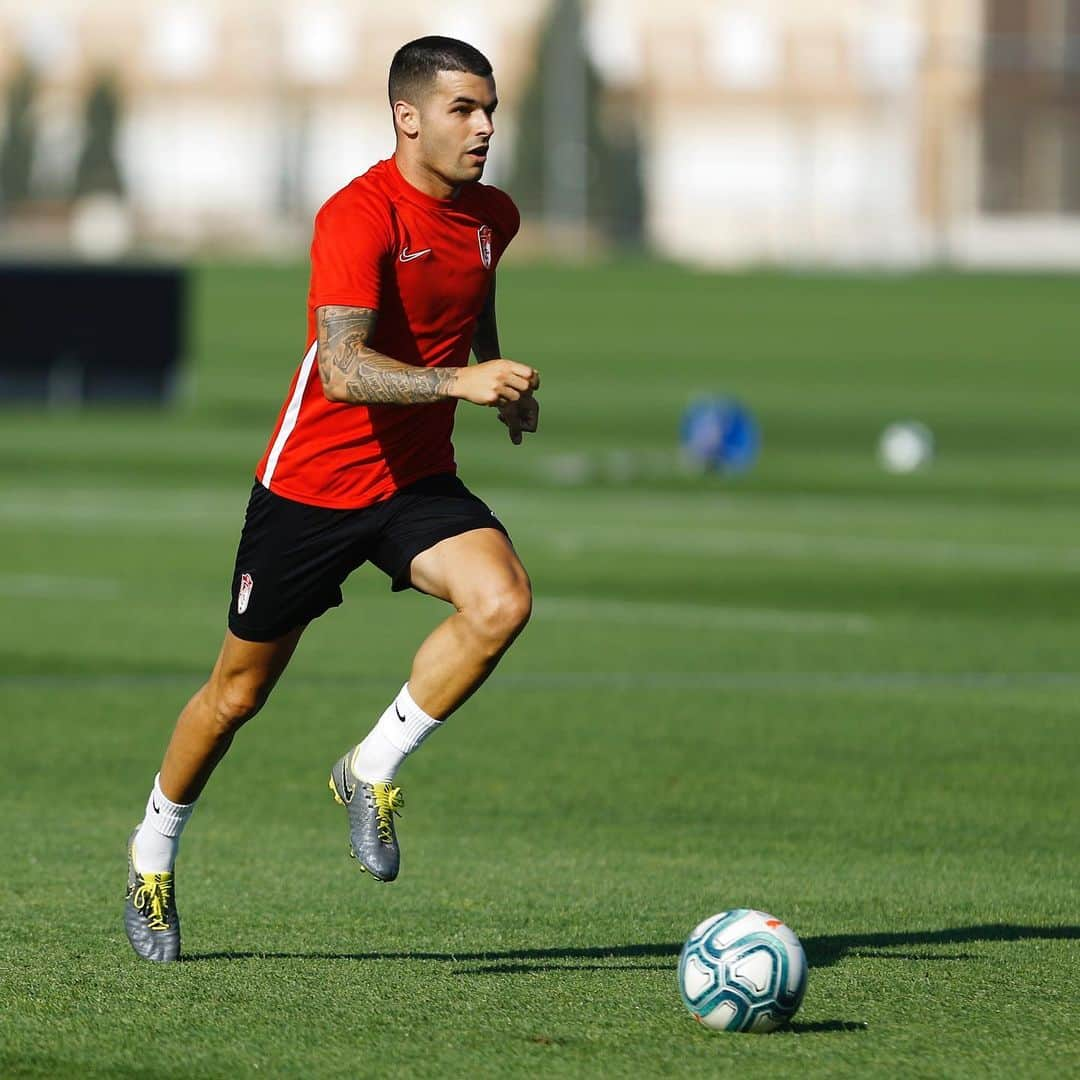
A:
(742, 970)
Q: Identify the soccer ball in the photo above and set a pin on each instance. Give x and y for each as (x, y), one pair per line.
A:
(906, 447)
(742, 970)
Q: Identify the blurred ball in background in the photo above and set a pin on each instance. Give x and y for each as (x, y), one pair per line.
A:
(905, 446)
(720, 433)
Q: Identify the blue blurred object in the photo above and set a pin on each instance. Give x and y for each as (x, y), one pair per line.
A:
(720, 433)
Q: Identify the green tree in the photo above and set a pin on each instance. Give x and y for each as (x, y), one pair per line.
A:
(17, 147)
(613, 200)
(98, 169)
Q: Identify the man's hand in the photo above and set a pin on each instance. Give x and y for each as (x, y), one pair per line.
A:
(495, 382)
(521, 415)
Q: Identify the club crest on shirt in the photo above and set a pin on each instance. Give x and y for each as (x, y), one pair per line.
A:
(246, 585)
(483, 236)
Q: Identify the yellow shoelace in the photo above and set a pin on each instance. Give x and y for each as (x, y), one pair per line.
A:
(388, 801)
(152, 897)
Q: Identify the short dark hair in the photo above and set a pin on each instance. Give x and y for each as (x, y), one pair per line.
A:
(417, 63)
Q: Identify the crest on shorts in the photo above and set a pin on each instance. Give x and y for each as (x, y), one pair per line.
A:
(483, 236)
(246, 585)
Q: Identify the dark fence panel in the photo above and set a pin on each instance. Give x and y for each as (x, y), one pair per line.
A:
(81, 334)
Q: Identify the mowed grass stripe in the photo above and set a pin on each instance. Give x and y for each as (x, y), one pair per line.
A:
(152, 512)
(956, 555)
(986, 688)
(688, 617)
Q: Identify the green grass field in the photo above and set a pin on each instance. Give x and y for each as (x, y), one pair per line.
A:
(847, 698)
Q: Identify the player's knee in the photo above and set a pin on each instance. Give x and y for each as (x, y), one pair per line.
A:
(234, 703)
(501, 612)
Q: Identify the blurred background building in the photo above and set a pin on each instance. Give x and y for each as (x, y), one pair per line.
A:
(850, 132)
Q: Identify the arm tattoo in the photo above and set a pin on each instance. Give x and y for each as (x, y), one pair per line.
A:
(378, 380)
(353, 373)
(485, 342)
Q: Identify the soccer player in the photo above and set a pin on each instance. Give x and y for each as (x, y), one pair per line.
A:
(360, 468)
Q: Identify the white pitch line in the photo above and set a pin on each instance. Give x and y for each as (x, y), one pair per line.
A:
(50, 585)
(152, 512)
(697, 616)
(147, 512)
(645, 681)
(788, 680)
(722, 540)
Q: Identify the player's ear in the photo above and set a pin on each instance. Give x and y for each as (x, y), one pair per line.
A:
(407, 118)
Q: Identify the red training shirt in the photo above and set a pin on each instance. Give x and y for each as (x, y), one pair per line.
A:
(426, 266)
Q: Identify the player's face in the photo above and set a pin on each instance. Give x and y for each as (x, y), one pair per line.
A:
(456, 123)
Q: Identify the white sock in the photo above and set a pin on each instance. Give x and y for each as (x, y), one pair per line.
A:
(158, 838)
(400, 730)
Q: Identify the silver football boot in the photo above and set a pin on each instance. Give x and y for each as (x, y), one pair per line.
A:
(371, 808)
(150, 916)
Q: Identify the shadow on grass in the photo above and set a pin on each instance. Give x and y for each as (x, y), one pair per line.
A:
(503, 968)
(822, 951)
(829, 949)
(797, 1027)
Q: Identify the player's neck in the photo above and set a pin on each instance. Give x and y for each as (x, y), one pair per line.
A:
(426, 181)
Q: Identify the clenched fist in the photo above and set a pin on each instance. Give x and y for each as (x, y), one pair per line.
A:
(495, 382)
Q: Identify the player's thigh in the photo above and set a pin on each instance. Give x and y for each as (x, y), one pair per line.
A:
(246, 671)
(478, 566)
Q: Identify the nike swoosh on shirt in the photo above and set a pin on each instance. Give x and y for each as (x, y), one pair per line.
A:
(408, 256)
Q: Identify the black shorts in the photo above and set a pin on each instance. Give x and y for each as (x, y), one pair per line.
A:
(293, 558)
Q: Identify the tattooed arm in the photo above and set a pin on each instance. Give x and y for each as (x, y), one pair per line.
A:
(355, 374)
